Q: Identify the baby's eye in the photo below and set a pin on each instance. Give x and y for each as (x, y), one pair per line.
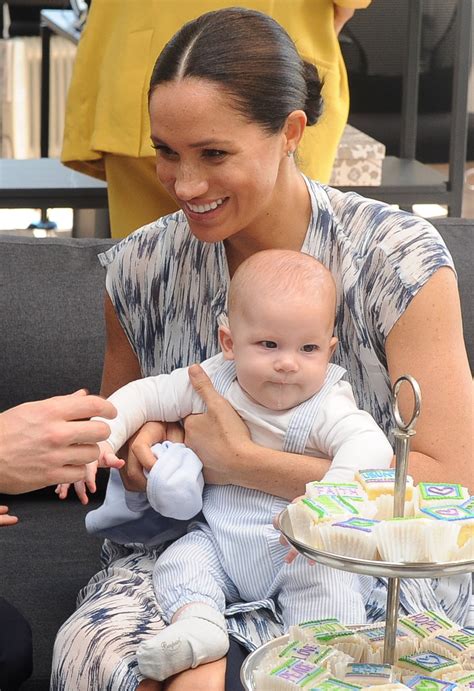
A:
(268, 344)
(310, 348)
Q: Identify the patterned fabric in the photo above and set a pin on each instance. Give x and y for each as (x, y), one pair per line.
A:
(169, 290)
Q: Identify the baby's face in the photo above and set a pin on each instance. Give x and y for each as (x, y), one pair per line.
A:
(281, 350)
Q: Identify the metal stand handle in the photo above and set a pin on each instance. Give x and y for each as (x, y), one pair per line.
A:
(402, 433)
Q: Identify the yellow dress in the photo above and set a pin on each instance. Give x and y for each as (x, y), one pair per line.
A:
(106, 128)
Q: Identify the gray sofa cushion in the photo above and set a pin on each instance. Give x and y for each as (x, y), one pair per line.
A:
(51, 314)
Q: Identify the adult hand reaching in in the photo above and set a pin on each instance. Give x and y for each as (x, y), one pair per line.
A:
(51, 441)
(6, 518)
(218, 437)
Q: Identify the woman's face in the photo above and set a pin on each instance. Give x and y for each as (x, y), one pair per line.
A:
(222, 170)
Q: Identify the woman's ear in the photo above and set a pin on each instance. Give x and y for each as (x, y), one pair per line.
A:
(226, 342)
(293, 130)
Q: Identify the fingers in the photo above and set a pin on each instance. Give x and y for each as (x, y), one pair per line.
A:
(81, 406)
(67, 475)
(203, 385)
(142, 455)
(6, 518)
(62, 490)
(81, 492)
(110, 460)
(175, 432)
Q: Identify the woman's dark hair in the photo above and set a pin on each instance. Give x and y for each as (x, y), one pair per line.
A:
(250, 56)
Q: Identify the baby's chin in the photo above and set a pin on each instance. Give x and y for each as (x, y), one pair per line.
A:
(282, 398)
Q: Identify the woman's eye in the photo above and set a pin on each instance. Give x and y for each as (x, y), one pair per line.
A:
(310, 348)
(268, 344)
(214, 153)
(164, 151)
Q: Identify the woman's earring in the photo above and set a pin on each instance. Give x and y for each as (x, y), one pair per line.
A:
(290, 153)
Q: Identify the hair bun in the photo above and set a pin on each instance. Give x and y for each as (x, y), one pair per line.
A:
(314, 102)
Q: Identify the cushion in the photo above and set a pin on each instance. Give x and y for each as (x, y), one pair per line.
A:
(51, 310)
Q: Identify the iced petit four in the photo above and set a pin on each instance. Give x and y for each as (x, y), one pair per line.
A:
(405, 643)
(353, 537)
(318, 654)
(462, 680)
(430, 495)
(416, 540)
(290, 674)
(457, 643)
(426, 624)
(381, 481)
(458, 515)
(331, 632)
(379, 484)
(347, 490)
(429, 663)
(307, 514)
(423, 683)
(367, 674)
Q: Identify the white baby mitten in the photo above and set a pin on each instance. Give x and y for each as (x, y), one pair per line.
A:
(175, 483)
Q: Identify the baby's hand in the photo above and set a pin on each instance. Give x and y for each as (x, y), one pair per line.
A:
(6, 518)
(82, 486)
(107, 457)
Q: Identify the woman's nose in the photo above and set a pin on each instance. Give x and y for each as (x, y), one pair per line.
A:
(190, 183)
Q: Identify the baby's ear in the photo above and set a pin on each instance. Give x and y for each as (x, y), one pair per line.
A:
(226, 342)
(332, 345)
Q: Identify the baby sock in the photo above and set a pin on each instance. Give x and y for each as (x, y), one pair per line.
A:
(197, 636)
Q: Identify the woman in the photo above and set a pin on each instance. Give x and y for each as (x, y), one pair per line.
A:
(107, 131)
(226, 131)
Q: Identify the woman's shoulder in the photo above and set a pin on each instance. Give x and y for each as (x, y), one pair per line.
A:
(373, 222)
(362, 228)
(149, 241)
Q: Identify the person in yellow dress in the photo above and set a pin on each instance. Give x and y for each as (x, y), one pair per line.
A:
(107, 133)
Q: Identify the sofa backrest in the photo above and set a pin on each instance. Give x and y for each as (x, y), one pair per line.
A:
(51, 317)
(51, 311)
(458, 234)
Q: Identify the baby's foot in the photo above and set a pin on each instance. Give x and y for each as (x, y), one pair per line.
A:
(196, 637)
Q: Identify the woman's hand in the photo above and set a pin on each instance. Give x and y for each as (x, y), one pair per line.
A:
(219, 437)
(140, 457)
(6, 518)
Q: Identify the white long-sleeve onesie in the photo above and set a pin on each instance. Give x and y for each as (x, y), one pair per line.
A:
(340, 431)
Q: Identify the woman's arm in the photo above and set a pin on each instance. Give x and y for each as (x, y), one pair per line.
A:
(427, 342)
(120, 362)
(120, 367)
(230, 457)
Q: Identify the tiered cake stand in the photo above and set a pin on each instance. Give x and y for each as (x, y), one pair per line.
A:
(393, 571)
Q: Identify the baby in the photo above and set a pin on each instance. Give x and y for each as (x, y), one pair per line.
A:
(275, 371)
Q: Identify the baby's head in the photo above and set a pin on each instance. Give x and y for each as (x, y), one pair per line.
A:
(281, 308)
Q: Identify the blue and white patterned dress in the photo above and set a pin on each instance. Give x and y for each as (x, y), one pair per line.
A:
(169, 289)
